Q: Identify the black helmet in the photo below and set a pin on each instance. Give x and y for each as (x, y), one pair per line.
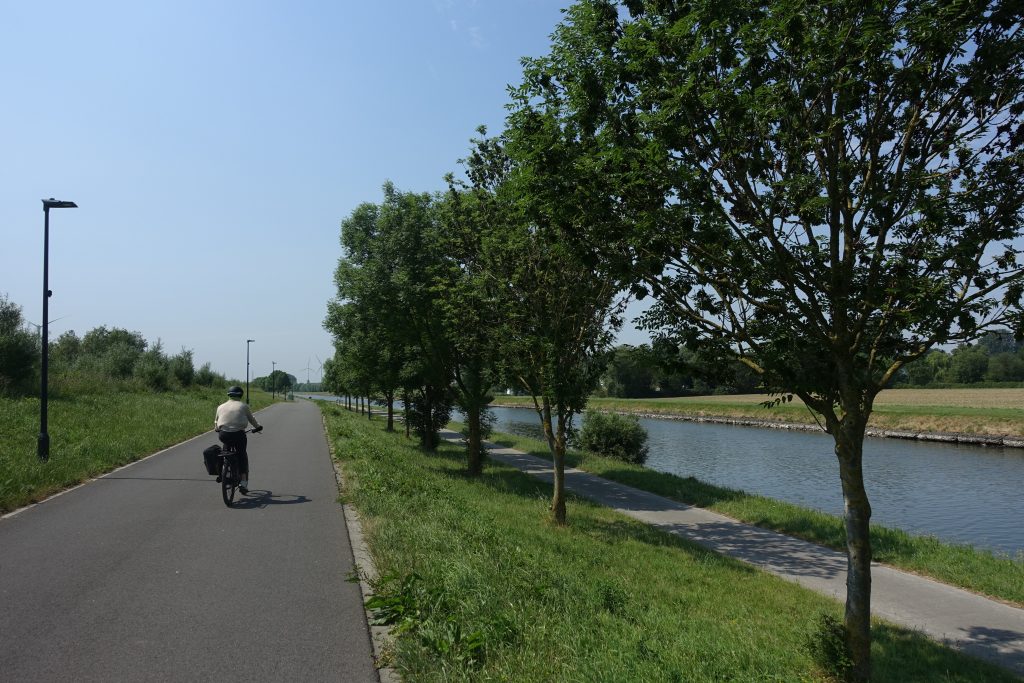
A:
(235, 392)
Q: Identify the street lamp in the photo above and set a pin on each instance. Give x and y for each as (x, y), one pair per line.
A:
(247, 342)
(43, 445)
(273, 378)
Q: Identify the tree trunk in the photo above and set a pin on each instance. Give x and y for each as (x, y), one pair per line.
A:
(849, 440)
(390, 396)
(405, 411)
(475, 464)
(558, 498)
(545, 421)
(369, 411)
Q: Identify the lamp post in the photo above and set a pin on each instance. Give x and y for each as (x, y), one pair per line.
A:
(247, 342)
(43, 444)
(273, 378)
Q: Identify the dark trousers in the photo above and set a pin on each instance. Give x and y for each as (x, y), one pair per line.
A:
(237, 441)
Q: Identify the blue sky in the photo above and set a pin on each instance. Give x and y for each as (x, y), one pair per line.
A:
(214, 147)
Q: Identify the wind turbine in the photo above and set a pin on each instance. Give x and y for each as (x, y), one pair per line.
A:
(307, 369)
(320, 369)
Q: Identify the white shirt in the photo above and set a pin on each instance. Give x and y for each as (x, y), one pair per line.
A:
(233, 416)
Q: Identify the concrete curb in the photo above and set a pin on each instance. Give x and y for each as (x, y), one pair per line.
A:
(380, 636)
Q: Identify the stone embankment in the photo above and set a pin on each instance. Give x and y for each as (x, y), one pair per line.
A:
(947, 437)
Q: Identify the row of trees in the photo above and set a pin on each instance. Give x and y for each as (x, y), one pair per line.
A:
(660, 370)
(102, 359)
(278, 380)
(823, 192)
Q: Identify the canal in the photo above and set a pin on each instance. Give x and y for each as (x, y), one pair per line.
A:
(961, 494)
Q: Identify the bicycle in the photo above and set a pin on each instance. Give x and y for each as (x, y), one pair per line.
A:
(229, 478)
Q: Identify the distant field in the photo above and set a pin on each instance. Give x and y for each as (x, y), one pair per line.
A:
(970, 411)
(963, 398)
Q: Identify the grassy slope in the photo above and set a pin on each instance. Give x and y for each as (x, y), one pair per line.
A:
(93, 434)
(970, 411)
(484, 588)
(976, 570)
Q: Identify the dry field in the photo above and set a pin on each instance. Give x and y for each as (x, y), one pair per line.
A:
(947, 398)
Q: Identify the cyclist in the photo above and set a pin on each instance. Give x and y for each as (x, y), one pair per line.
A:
(232, 417)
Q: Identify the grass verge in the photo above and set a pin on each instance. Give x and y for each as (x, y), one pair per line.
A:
(94, 433)
(976, 570)
(480, 587)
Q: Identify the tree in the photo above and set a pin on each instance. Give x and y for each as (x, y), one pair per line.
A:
(385, 318)
(471, 220)
(968, 364)
(278, 380)
(372, 324)
(561, 308)
(18, 349)
(632, 372)
(822, 191)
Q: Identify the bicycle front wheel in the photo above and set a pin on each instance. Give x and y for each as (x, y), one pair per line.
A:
(228, 482)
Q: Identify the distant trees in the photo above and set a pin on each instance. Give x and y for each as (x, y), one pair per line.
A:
(19, 350)
(278, 380)
(102, 359)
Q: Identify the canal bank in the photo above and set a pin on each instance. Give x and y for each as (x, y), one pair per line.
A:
(984, 628)
(992, 440)
(956, 493)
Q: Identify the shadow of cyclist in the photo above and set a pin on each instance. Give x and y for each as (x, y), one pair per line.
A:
(261, 498)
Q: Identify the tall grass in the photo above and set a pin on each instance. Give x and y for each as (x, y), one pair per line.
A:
(94, 433)
(480, 587)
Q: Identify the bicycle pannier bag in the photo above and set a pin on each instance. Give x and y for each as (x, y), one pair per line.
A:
(211, 458)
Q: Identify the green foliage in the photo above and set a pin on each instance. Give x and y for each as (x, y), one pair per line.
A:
(19, 351)
(277, 381)
(618, 436)
(827, 647)
(154, 369)
(429, 411)
(822, 191)
(182, 368)
(205, 377)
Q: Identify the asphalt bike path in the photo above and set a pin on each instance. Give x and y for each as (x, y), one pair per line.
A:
(985, 628)
(145, 575)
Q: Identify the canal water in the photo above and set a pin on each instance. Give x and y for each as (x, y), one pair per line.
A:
(961, 494)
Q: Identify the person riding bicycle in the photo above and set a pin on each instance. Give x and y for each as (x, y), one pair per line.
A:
(232, 417)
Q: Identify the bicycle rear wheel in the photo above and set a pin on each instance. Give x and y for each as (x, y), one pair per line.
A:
(228, 480)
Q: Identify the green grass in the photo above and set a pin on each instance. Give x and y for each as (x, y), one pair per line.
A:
(94, 433)
(481, 587)
(976, 570)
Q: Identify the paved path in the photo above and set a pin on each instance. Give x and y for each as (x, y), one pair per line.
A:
(133, 576)
(976, 625)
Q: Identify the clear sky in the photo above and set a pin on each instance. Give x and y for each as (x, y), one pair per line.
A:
(214, 147)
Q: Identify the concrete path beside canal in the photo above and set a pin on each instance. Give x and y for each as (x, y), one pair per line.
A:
(973, 624)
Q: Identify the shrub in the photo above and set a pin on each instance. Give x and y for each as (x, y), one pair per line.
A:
(619, 436)
(18, 350)
(182, 368)
(829, 650)
(154, 369)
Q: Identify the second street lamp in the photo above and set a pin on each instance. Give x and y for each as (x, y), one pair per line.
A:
(43, 443)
